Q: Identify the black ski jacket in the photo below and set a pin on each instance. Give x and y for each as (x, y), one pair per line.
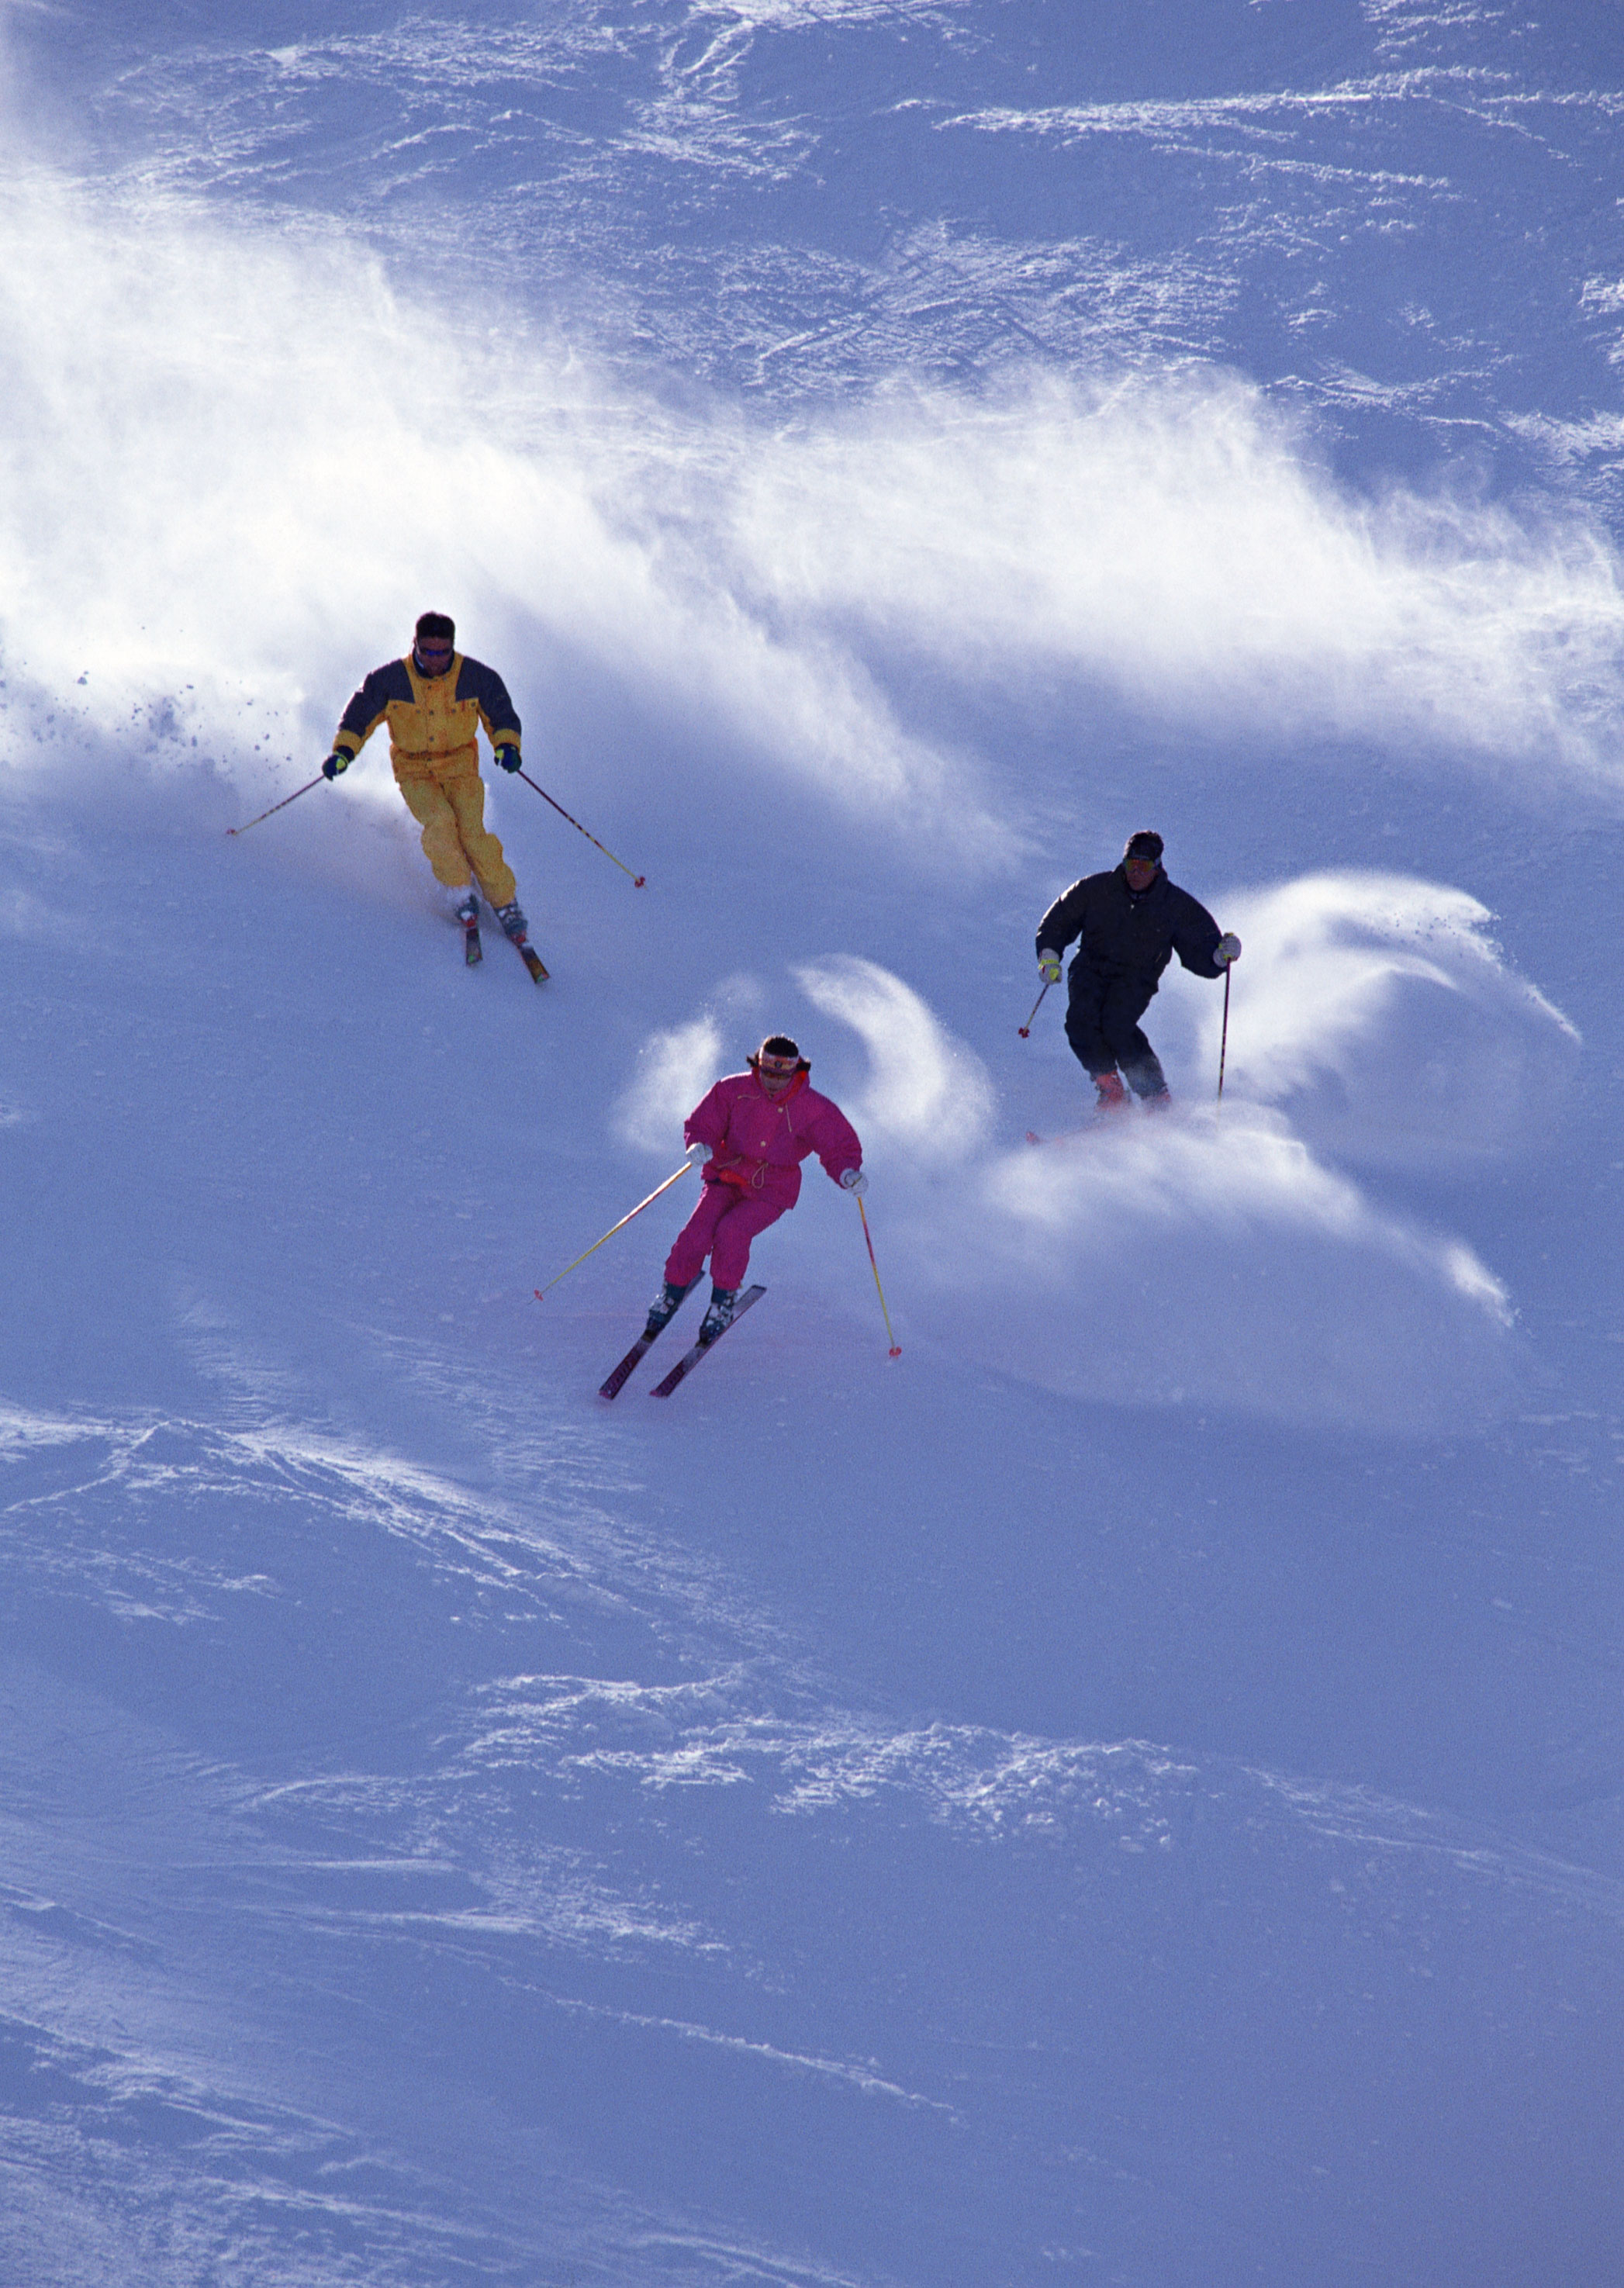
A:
(1125, 935)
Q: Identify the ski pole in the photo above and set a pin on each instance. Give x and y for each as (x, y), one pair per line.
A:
(1224, 1040)
(283, 805)
(896, 1349)
(638, 880)
(613, 1227)
(1025, 1030)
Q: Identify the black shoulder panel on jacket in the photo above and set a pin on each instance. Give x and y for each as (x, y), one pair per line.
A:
(390, 681)
(481, 683)
(1064, 919)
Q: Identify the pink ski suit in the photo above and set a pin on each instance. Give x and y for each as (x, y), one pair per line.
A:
(758, 1143)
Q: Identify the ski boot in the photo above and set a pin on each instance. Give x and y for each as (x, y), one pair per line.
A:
(1112, 1096)
(513, 922)
(467, 909)
(663, 1309)
(1158, 1101)
(718, 1313)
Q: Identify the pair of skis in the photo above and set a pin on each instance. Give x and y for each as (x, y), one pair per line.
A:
(684, 1365)
(473, 952)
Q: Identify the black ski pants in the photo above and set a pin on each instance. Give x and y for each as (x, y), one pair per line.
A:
(1102, 1024)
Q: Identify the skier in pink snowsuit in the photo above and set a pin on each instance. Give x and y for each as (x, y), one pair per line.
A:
(758, 1127)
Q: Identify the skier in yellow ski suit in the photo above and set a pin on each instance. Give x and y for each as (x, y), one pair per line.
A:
(434, 701)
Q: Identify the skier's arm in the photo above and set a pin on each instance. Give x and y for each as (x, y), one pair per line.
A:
(835, 1143)
(367, 709)
(497, 711)
(707, 1123)
(1195, 937)
(1064, 920)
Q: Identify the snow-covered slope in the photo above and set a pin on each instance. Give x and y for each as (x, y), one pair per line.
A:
(1127, 1792)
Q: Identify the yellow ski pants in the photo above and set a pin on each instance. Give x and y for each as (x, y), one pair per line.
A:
(449, 805)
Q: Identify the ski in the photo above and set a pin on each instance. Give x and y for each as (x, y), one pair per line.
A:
(531, 960)
(640, 1350)
(473, 951)
(628, 1365)
(691, 1359)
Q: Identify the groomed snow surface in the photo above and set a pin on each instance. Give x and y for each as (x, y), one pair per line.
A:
(1128, 1791)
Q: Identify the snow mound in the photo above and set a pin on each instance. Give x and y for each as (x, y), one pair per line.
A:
(1375, 1012)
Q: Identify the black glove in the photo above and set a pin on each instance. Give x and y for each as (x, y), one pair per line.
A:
(508, 756)
(336, 762)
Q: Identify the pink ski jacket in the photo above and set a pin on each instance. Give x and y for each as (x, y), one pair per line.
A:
(758, 1143)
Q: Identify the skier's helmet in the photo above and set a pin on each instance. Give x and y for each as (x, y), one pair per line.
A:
(1145, 845)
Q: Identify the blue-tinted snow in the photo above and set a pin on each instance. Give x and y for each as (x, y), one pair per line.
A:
(1128, 1791)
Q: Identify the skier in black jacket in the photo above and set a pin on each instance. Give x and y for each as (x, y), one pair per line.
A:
(1131, 922)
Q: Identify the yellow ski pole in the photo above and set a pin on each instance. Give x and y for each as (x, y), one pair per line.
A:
(896, 1349)
(283, 805)
(613, 1227)
(636, 880)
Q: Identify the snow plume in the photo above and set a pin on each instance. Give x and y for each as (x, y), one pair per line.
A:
(237, 463)
(676, 1066)
(1170, 539)
(1374, 1010)
(926, 1094)
(674, 1071)
(1217, 1264)
(1173, 1259)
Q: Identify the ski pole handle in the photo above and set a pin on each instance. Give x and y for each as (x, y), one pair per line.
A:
(896, 1349)
(1025, 1030)
(283, 805)
(613, 1227)
(636, 880)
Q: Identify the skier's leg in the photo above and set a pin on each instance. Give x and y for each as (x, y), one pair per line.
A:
(730, 1255)
(1125, 1003)
(465, 793)
(686, 1258)
(1090, 1044)
(1082, 1024)
(442, 845)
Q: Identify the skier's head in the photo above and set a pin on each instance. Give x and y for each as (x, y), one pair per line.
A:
(433, 642)
(777, 1062)
(1142, 859)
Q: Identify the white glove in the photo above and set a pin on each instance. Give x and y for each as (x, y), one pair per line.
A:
(698, 1153)
(1227, 950)
(1048, 966)
(852, 1179)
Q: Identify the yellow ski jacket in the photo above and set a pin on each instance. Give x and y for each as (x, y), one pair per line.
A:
(433, 719)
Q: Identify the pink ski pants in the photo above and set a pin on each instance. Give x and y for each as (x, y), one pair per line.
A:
(722, 1226)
